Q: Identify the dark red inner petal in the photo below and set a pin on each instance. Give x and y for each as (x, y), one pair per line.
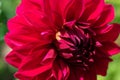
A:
(76, 46)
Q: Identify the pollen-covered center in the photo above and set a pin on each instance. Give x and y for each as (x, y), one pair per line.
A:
(75, 46)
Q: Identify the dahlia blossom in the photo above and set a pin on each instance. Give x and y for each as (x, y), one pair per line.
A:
(62, 39)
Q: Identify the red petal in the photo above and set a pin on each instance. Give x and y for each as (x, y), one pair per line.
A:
(16, 56)
(39, 14)
(74, 10)
(103, 29)
(34, 65)
(46, 12)
(45, 76)
(57, 10)
(19, 22)
(53, 10)
(18, 26)
(20, 40)
(27, 5)
(101, 62)
(93, 10)
(14, 59)
(102, 70)
(106, 16)
(118, 27)
(110, 35)
(91, 74)
(60, 70)
(76, 73)
(110, 48)
(39, 20)
(21, 31)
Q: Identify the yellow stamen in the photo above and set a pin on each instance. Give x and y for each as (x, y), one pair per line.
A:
(58, 36)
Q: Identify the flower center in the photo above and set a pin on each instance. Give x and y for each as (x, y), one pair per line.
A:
(75, 46)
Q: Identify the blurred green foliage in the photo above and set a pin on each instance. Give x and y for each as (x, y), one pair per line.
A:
(7, 10)
(113, 72)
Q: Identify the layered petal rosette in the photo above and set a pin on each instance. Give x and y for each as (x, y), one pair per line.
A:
(62, 39)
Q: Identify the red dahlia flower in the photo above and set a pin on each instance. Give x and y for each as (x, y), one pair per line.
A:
(62, 39)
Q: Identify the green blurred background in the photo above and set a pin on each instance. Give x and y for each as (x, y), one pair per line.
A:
(7, 10)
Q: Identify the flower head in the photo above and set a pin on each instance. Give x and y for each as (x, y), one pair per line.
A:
(62, 39)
